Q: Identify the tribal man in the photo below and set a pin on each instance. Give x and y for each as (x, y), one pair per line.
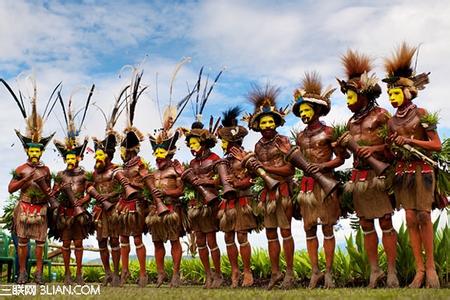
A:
(202, 211)
(105, 189)
(166, 212)
(315, 143)
(236, 214)
(370, 199)
(73, 222)
(414, 183)
(277, 202)
(132, 207)
(32, 179)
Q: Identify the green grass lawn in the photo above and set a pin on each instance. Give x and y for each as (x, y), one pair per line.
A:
(197, 292)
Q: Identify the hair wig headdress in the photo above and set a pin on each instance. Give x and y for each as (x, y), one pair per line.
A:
(310, 91)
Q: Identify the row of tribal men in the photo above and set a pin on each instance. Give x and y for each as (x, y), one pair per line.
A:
(122, 210)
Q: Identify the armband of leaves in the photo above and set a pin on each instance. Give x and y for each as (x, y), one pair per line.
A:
(430, 121)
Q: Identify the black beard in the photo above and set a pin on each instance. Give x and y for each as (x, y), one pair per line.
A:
(161, 162)
(268, 133)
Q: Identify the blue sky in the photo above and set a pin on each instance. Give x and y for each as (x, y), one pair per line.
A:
(85, 42)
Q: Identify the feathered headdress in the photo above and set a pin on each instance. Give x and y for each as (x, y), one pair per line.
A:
(264, 99)
(230, 130)
(132, 136)
(311, 91)
(357, 68)
(71, 145)
(112, 137)
(206, 136)
(165, 137)
(34, 121)
(400, 72)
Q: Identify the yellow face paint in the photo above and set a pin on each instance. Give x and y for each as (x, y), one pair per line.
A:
(34, 154)
(123, 152)
(160, 153)
(267, 122)
(224, 145)
(194, 144)
(100, 158)
(306, 112)
(71, 161)
(352, 97)
(396, 97)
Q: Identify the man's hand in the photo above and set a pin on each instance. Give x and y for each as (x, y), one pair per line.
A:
(314, 168)
(237, 153)
(401, 140)
(157, 193)
(178, 167)
(364, 152)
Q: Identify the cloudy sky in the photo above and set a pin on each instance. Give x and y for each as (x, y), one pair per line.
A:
(86, 42)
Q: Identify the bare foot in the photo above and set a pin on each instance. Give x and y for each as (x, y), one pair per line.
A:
(432, 279)
(288, 281)
(79, 279)
(392, 280)
(176, 281)
(108, 279)
(208, 281)
(328, 282)
(161, 278)
(418, 280)
(375, 277)
(68, 279)
(123, 277)
(274, 279)
(315, 279)
(143, 280)
(23, 278)
(217, 280)
(235, 279)
(248, 279)
(115, 280)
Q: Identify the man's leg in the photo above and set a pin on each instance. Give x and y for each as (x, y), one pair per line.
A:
(176, 252)
(124, 255)
(232, 252)
(416, 245)
(115, 254)
(141, 255)
(104, 256)
(329, 244)
(66, 258)
(79, 260)
(371, 245)
(390, 247)
(274, 254)
(215, 255)
(426, 235)
(203, 253)
(160, 252)
(22, 252)
(246, 254)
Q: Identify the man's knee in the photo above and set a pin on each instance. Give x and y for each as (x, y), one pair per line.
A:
(328, 232)
(103, 244)
(242, 237)
(386, 224)
(271, 233)
(311, 232)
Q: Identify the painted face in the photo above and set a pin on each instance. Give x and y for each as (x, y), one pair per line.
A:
(267, 122)
(224, 145)
(194, 144)
(34, 154)
(100, 158)
(396, 97)
(123, 153)
(160, 153)
(352, 98)
(71, 161)
(306, 112)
